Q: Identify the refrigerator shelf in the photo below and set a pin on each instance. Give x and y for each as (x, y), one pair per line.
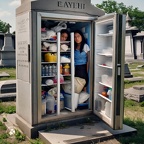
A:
(105, 85)
(105, 66)
(47, 76)
(48, 62)
(48, 52)
(104, 115)
(45, 85)
(106, 34)
(66, 75)
(103, 54)
(65, 82)
(55, 41)
(56, 51)
(65, 62)
(63, 42)
(104, 98)
(65, 51)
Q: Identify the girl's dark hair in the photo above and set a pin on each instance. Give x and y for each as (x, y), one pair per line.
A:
(65, 31)
(83, 40)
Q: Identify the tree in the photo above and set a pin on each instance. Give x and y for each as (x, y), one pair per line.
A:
(135, 14)
(3, 26)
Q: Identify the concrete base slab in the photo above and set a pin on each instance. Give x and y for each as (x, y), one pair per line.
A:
(134, 94)
(134, 79)
(83, 134)
(4, 74)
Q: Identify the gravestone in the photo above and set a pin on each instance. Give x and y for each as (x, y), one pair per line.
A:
(1, 41)
(127, 73)
(7, 53)
(135, 93)
(7, 86)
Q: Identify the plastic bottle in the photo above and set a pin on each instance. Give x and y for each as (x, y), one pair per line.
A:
(61, 69)
(42, 70)
(53, 69)
(46, 70)
(50, 103)
(50, 70)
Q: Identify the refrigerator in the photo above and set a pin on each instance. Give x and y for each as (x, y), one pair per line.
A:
(44, 69)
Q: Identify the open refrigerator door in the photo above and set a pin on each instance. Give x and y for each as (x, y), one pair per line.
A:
(109, 69)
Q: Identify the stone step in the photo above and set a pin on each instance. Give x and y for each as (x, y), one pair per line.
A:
(8, 86)
(8, 97)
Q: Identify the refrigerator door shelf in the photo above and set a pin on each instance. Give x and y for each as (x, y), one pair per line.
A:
(107, 99)
(105, 85)
(106, 34)
(104, 66)
(103, 54)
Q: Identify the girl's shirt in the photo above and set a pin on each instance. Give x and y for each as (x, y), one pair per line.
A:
(81, 57)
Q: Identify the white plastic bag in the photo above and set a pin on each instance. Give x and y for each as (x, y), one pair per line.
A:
(59, 27)
(83, 96)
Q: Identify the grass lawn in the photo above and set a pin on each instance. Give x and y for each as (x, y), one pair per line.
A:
(10, 71)
(134, 111)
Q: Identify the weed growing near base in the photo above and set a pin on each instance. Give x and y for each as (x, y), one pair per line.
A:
(7, 108)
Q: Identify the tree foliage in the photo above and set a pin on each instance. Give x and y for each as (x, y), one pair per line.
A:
(3, 26)
(137, 16)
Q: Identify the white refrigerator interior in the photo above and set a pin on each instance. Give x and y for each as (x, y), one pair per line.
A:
(108, 70)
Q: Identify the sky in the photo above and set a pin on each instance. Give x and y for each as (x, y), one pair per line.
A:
(8, 7)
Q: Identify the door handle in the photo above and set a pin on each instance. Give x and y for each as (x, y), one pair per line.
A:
(119, 69)
(28, 52)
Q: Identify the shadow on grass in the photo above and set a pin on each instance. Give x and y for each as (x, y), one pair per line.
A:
(134, 138)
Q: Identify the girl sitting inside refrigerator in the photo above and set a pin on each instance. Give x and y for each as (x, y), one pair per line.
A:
(81, 57)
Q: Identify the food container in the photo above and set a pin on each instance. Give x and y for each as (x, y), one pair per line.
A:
(66, 69)
(43, 108)
(68, 98)
(50, 103)
(50, 57)
(108, 109)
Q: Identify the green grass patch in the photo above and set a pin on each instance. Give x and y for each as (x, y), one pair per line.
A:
(10, 71)
(2, 126)
(134, 65)
(128, 84)
(130, 103)
(138, 75)
(135, 138)
(7, 108)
